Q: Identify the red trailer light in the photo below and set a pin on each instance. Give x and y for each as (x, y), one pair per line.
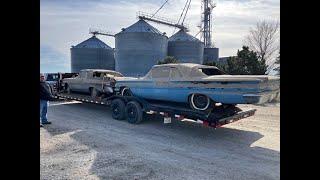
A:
(180, 118)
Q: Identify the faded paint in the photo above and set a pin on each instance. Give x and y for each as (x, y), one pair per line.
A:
(86, 80)
(228, 89)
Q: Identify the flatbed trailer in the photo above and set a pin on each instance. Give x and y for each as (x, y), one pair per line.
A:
(134, 110)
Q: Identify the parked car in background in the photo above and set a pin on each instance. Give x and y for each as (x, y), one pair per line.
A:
(97, 82)
(201, 86)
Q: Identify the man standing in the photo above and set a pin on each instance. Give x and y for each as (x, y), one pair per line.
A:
(45, 96)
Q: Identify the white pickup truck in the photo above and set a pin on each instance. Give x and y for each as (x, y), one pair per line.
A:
(97, 82)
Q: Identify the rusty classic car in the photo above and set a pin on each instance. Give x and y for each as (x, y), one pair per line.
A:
(97, 82)
(200, 86)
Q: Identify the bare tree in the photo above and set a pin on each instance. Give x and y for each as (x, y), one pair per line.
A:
(263, 39)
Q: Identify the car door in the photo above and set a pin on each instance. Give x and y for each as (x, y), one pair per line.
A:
(97, 80)
(86, 82)
(176, 85)
(160, 84)
(77, 83)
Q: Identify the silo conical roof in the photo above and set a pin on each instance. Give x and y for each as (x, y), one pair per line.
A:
(141, 26)
(183, 36)
(92, 42)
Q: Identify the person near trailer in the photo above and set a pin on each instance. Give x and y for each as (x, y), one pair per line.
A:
(45, 97)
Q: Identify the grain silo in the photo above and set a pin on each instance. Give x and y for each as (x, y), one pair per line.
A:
(185, 48)
(92, 54)
(139, 47)
(210, 55)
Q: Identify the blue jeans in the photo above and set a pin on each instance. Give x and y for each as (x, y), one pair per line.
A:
(43, 111)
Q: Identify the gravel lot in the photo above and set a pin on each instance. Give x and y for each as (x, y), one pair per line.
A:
(84, 142)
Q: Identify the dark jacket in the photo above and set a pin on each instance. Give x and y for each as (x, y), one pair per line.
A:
(45, 92)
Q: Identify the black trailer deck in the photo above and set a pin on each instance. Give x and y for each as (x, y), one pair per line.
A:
(133, 109)
(82, 98)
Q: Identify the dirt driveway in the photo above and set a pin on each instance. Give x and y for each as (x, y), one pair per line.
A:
(84, 142)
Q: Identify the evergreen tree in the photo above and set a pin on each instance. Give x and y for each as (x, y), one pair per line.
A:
(246, 62)
(212, 63)
(219, 66)
(168, 60)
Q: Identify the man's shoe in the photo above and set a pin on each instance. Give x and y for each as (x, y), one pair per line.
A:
(48, 122)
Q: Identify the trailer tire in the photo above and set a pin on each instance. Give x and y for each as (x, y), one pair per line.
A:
(118, 109)
(134, 112)
(199, 102)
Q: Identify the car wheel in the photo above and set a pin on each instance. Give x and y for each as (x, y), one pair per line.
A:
(126, 92)
(200, 102)
(118, 109)
(134, 112)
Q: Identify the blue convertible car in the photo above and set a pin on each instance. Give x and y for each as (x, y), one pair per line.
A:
(199, 85)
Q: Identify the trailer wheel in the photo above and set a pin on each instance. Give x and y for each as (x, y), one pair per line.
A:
(199, 102)
(118, 109)
(134, 112)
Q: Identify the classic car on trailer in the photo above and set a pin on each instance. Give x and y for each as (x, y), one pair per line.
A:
(97, 82)
(134, 109)
(201, 86)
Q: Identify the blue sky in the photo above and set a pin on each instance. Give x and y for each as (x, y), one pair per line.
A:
(64, 23)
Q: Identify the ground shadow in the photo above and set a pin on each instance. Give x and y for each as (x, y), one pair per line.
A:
(55, 130)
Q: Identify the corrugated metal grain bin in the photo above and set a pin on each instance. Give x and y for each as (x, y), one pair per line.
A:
(185, 48)
(138, 48)
(92, 54)
(210, 55)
